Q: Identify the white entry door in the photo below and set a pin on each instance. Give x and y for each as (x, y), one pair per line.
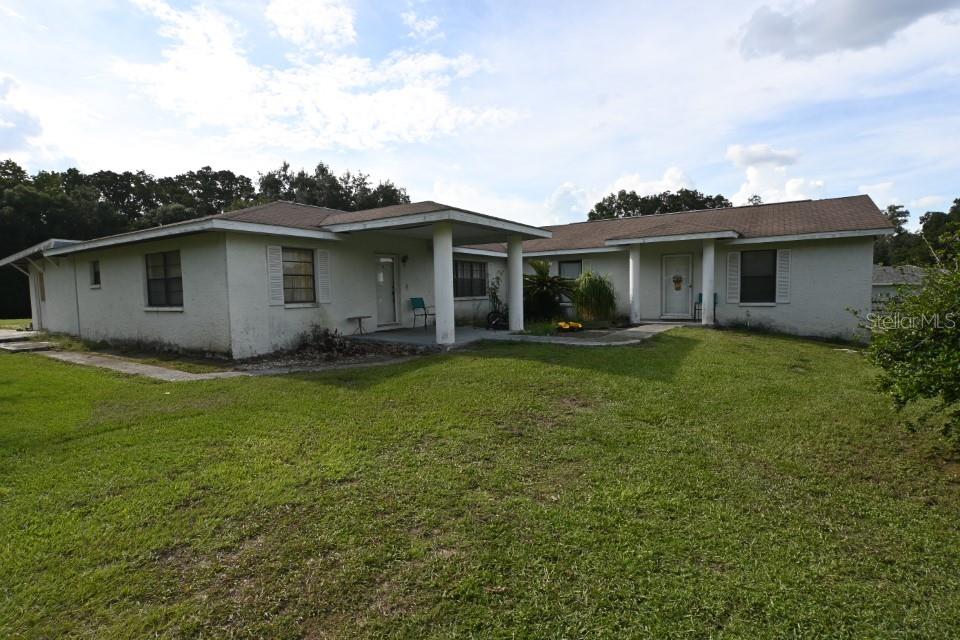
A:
(386, 289)
(678, 286)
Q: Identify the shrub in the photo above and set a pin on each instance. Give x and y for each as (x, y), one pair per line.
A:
(916, 343)
(594, 297)
(542, 292)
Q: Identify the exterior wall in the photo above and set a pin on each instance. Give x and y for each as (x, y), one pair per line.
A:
(118, 309)
(616, 266)
(828, 278)
(473, 311)
(258, 328)
(58, 310)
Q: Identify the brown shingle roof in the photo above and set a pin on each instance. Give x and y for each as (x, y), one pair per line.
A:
(852, 213)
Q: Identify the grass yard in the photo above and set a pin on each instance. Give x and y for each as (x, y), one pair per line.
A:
(14, 323)
(703, 485)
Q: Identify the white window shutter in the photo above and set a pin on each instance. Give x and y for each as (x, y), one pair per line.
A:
(323, 276)
(586, 265)
(275, 275)
(733, 277)
(783, 276)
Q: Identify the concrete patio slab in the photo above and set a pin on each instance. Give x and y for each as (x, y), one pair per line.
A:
(25, 346)
(469, 335)
(11, 335)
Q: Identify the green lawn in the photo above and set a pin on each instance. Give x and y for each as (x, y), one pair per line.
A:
(14, 323)
(705, 484)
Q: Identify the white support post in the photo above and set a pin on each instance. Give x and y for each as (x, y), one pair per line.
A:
(708, 288)
(443, 282)
(515, 282)
(634, 284)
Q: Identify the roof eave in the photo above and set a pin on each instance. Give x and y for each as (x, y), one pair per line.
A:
(446, 215)
(709, 235)
(41, 248)
(824, 235)
(199, 226)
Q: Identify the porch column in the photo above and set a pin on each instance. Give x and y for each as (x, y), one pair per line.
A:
(634, 284)
(708, 288)
(443, 282)
(515, 282)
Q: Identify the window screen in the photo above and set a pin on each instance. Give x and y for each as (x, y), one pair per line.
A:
(758, 276)
(469, 279)
(164, 279)
(298, 283)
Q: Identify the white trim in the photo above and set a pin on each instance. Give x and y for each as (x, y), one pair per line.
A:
(272, 229)
(164, 309)
(674, 238)
(828, 235)
(571, 252)
(480, 252)
(197, 226)
(299, 305)
(37, 248)
(446, 215)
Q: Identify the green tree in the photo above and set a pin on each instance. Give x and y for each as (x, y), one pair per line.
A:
(916, 343)
(628, 204)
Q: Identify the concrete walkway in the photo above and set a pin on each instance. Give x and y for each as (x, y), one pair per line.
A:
(136, 368)
(133, 368)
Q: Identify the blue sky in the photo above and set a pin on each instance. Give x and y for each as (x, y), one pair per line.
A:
(526, 110)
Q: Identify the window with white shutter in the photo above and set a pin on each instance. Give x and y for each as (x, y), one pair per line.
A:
(275, 275)
(733, 277)
(323, 276)
(783, 276)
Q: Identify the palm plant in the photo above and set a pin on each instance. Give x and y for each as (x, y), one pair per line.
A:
(594, 297)
(543, 292)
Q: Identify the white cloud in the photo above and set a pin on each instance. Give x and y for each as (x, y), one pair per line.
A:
(927, 202)
(672, 179)
(744, 156)
(881, 192)
(766, 175)
(313, 23)
(568, 203)
(421, 28)
(333, 101)
(824, 26)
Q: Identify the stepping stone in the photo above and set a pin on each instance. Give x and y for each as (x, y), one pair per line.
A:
(25, 346)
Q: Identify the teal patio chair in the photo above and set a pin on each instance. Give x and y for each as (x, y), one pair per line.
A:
(421, 310)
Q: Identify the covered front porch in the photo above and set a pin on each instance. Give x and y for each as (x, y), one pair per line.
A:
(447, 231)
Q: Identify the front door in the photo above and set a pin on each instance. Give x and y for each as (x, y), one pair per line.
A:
(386, 290)
(677, 286)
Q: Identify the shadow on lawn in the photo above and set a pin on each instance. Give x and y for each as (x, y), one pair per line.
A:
(657, 359)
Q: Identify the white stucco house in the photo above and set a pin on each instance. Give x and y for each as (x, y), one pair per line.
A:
(253, 281)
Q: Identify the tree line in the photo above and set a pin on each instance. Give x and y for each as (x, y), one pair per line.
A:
(79, 206)
(937, 228)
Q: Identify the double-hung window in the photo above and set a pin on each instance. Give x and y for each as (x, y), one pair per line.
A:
(469, 279)
(570, 269)
(164, 280)
(298, 276)
(758, 276)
